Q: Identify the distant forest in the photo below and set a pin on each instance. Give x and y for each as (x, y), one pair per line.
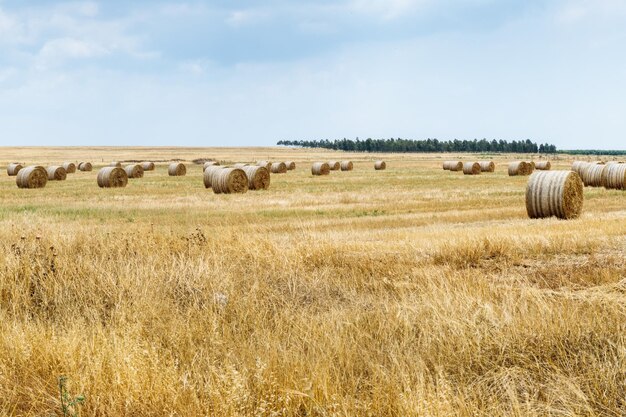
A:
(593, 152)
(428, 145)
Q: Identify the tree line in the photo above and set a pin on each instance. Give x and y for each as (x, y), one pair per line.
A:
(594, 152)
(429, 145)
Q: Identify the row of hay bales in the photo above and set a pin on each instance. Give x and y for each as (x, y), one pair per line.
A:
(277, 167)
(324, 168)
(242, 177)
(469, 168)
(610, 175)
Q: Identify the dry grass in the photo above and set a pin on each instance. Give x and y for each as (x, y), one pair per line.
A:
(367, 294)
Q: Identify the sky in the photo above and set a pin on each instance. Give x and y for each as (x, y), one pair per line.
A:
(251, 72)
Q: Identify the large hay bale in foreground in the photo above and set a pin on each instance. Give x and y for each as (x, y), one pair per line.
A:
(520, 168)
(487, 166)
(592, 175)
(334, 165)
(380, 165)
(208, 174)
(177, 169)
(554, 193)
(279, 168)
(258, 177)
(543, 165)
(14, 169)
(615, 177)
(147, 166)
(56, 173)
(85, 166)
(471, 168)
(134, 171)
(209, 164)
(112, 177)
(347, 165)
(115, 164)
(229, 181)
(266, 164)
(32, 177)
(320, 168)
(69, 167)
(290, 165)
(453, 165)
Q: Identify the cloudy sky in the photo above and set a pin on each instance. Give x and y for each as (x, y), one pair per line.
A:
(251, 72)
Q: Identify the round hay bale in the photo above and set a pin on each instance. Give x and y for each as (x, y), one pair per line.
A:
(177, 169)
(85, 166)
(13, 169)
(134, 171)
(32, 177)
(347, 165)
(520, 168)
(112, 177)
(453, 165)
(258, 177)
(69, 167)
(266, 164)
(543, 165)
(334, 165)
(290, 165)
(279, 168)
(380, 165)
(593, 174)
(229, 181)
(487, 166)
(208, 174)
(56, 173)
(147, 166)
(554, 193)
(209, 164)
(615, 177)
(115, 164)
(577, 167)
(240, 165)
(320, 168)
(471, 168)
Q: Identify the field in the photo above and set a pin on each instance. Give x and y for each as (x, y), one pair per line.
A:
(407, 292)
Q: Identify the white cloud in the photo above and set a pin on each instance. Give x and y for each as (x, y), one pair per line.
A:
(56, 51)
(388, 9)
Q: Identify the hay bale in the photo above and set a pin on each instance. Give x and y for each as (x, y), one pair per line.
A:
(380, 165)
(593, 174)
(229, 181)
(208, 174)
(520, 168)
(471, 168)
(266, 164)
(334, 165)
(32, 177)
(543, 165)
(258, 177)
(453, 165)
(112, 177)
(240, 165)
(69, 167)
(85, 166)
(115, 164)
(577, 167)
(615, 177)
(279, 168)
(134, 171)
(320, 168)
(147, 166)
(554, 193)
(209, 164)
(290, 165)
(13, 169)
(487, 166)
(177, 169)
(347, 165)
(56, 173)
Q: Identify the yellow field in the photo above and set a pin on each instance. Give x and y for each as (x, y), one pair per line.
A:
(407, 292)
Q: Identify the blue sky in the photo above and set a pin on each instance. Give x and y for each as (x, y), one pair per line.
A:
(216, 73)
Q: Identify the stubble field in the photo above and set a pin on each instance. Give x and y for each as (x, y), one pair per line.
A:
(406, 292)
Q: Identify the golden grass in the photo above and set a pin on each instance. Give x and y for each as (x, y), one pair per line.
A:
(343, 295)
